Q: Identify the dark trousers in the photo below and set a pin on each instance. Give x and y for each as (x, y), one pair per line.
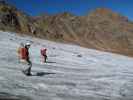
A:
(28, 70)
(45, 58)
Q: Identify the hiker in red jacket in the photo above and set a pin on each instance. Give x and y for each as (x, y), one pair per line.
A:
(43, 54)
(27, 58)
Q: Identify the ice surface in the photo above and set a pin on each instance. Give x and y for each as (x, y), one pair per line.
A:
(72, 72)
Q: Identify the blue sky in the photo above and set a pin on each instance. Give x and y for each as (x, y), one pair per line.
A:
(77, 7)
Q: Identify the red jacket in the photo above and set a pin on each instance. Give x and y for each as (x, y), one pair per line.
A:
(24, 53)
(43, 52)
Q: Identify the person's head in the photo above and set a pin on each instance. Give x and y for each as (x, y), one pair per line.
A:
(44, 49)
(27, 45)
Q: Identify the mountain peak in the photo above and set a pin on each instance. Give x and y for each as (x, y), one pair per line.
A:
(103, 10)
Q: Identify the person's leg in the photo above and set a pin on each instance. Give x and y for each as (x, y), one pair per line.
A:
(45, 58)
(28, 70)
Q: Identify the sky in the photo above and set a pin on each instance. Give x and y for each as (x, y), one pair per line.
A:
(77, 7)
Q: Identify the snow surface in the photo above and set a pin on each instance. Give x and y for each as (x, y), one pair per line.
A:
(72, 72)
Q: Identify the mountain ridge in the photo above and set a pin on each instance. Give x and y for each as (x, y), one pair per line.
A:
(101, 29)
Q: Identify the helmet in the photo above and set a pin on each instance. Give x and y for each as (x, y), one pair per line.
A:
(27, 44)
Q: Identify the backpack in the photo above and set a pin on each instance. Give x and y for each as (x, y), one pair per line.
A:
(24, 53)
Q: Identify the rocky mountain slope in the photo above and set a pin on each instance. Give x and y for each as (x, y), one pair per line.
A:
(101, 29)
(12, 19)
